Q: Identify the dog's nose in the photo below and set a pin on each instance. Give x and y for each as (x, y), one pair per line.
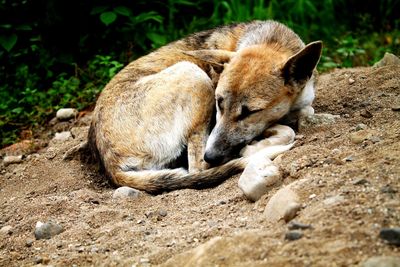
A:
(213, 159)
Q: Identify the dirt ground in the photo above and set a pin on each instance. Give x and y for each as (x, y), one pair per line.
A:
(350, 191)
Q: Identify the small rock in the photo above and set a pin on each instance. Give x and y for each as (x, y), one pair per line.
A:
(47, 230)
(291, 211)
(382, 261)
(375, 139)
(29, 243)
(298, 226)
(258, 177)
(221, 202)
(63, 136)
(349, 158)
(298, 137)
(396, 107)
(38, 260)
(390, 235)
(144, 261)
(351, 81)
(360, 136)
(6, 230)
(66, 113)
(12, 159)
(312, 196)
(366, 114)
(388, 189)
(293, 235)
(388, 60)
(360, 181)
(162, 213)
(51, 153)
(331, 201)
(361, 126)
(282, 205)
(126, 192)
(316, 120)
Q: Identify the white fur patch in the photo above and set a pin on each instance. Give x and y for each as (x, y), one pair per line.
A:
(306, 96)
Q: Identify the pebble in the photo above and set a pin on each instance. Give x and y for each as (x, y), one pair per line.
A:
(126, 192)
(66, 113)
(293, 235)
(291, 211)
(331, 201)
(360, 181)
(258, 177)
(62, 136)
(282, 205)
(162, 213)
(391, 235)
(351, 81)
(388, 190)
(317, 119)
(396, 107)
(349, 158)
(361, 126)
(366, 114)
(382, 261)
(8, 230)
(388, 59)
(12, 159)
(29, 243)
(359, 136)
(298, 226)
(375, 139)
(47, 230)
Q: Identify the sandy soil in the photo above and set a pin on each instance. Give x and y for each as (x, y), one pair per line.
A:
(350, 191)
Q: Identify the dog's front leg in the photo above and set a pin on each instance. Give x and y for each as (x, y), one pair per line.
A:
(277, 135)
(196, 147)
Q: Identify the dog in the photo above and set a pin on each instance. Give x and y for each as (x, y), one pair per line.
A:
(151, 125)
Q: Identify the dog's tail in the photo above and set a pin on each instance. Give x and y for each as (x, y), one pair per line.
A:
(157, 181)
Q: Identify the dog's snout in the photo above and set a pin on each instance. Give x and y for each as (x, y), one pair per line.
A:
(213, 158)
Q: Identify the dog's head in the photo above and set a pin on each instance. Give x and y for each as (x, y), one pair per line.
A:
(257, 87)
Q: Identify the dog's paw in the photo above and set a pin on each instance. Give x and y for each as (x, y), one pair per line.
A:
(258, 176)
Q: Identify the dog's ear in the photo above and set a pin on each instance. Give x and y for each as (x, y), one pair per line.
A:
(301, 66)
(215, 57)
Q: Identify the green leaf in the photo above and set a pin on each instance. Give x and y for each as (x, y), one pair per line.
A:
(122, 10)
(98, 10)
(108, 17)
(8, 42)
(145, 16)
(157, 38)
(24, 27)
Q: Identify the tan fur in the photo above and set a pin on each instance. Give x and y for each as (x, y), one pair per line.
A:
(162, 104)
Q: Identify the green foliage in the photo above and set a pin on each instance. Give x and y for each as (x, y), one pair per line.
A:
(50, 59)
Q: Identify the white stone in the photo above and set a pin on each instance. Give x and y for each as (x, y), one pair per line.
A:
(47, 230)
(332, 201)
(6, 229)
(12, 159)
(316, 120)
(66, 113)
(63, 136)
(257, 178)
(126, 192)
(283, 205)
(382, 261)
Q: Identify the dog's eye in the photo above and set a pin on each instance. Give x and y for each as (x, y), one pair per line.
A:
(246, 112)
(220, 103)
